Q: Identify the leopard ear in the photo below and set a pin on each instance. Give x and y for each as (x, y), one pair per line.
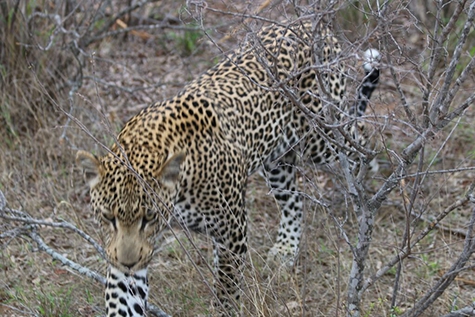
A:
(170, 171)
(91, 167)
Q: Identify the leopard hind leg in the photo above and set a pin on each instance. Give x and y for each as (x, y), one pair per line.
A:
(282, 181)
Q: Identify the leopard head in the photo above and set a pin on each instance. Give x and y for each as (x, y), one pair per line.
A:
(132, 201)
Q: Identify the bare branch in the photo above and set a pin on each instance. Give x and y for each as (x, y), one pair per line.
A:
(63, 224)
(3, 201)
(444, 97)
(161, 26)
(449, 276)
(55, 255)
(384, 20)
(406, 251)
(463, 312)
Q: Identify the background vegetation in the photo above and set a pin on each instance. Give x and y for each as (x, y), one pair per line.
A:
(72, 72)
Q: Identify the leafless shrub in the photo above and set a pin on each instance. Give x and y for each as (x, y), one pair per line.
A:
(436, 106)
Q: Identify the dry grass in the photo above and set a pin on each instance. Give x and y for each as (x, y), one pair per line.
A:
(38, 175)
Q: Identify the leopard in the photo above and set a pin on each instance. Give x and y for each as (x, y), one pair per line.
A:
(266, 107)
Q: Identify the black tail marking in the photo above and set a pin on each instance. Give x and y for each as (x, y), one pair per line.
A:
(369, 84)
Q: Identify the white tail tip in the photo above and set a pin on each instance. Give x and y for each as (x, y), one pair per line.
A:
(371, 56)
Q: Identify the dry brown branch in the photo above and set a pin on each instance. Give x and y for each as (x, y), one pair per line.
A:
(143, 35)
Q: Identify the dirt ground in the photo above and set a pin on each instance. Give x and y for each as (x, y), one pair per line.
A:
(126, 73)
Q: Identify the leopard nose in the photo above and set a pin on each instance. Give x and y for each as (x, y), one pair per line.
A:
(129, 265)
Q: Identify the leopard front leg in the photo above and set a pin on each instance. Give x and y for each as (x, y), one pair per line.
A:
(229, 268)
(281, 178)
(230, 247)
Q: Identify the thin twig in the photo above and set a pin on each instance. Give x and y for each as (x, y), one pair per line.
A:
(161, 26)
(131, 90)
(463, 312)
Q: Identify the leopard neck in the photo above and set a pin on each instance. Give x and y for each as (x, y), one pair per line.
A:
(126, 295)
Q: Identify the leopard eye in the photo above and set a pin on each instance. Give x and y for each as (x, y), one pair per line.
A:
(108, 216)
(150, 215)
(148, 218)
